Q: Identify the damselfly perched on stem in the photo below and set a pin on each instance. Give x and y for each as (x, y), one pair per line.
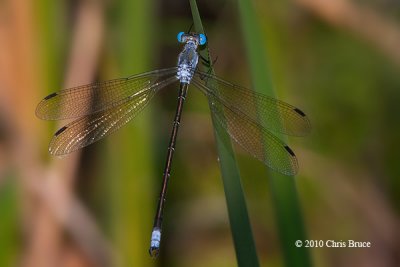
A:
(101, 108)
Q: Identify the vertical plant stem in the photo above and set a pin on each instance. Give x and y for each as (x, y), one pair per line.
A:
(9, 223)
(238, 216)
(285, 198)
(131, 159)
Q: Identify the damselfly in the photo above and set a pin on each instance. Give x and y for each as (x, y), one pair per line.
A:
(101, 108)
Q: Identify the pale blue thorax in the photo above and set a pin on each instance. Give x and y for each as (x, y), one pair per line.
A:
(187, 62)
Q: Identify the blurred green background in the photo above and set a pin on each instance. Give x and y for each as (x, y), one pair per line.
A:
(339, 61)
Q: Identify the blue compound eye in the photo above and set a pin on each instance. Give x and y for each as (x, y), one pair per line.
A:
(203, 39)
(179, 37)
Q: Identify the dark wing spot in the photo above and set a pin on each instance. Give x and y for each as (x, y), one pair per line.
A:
(50, 96)
(300, 112)
(290, 151)
(60, 131)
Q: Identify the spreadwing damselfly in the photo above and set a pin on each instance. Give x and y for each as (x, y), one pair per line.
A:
(101, 108)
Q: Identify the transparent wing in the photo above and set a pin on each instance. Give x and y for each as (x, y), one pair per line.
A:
(254, 138)
(93, 127)
(271, 113)
(83, 100)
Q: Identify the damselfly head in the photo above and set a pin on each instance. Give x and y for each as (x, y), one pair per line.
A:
(198, 38)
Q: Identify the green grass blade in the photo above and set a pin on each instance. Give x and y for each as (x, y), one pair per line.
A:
(238, 216)
(285, 198)
(9, 239)
(130, 162)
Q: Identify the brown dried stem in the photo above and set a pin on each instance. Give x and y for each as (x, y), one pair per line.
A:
(48, 202)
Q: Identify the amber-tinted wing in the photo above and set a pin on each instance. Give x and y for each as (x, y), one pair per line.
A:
(269, 112)
(83, 100)
(95, 126)
(237, 110)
